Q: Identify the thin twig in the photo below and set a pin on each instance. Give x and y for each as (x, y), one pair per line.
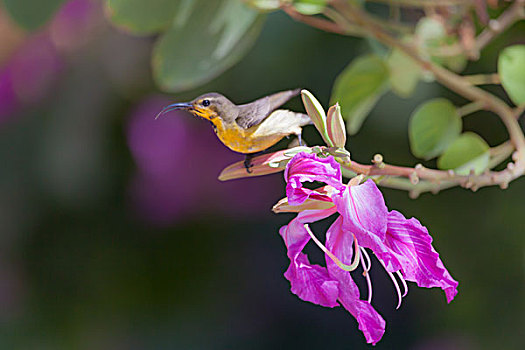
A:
(483, 79)
(470, 108)
(338, 19)
(316, 22)
(518, 111)
(511, 15)
(423, 3)
(514, 13)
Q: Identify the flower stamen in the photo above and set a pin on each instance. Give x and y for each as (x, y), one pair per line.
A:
(398, 290)
(405, 286)
(396, 285)
(338, 262)
(366, 274)
(368, 265)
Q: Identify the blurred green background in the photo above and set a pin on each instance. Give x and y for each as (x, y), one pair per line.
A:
(98, 251)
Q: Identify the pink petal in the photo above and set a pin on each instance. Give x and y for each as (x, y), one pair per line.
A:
(312, 282)
(364, 213)
(309, 282)
(411, 246)
(340, 242)
(305, 167)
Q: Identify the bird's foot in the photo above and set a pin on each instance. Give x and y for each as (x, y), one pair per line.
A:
(248, 163)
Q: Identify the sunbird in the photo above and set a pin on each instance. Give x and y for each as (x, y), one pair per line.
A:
(249, 128)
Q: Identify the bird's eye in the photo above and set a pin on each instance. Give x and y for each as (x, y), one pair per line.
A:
(205, 103)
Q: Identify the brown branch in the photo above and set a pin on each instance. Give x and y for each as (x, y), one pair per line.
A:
(457, 84)
(447, 78)
(514, 13)
(436, 179)
(423, 179)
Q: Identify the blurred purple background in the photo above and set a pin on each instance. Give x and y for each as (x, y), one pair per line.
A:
(116, 234)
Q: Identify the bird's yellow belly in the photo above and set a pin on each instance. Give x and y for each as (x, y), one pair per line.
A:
(243, 141)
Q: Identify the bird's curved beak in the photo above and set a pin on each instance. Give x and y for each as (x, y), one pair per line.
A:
(183, 105)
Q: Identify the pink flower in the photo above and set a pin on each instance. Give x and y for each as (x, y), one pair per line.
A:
(402, 246)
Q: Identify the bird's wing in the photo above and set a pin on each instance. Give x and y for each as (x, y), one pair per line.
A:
(254, 113)
(281, 122)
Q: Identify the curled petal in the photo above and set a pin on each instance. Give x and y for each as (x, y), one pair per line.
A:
(310, 204)
(295, 235)
(364, 213)
(408, 247)
(309, 168)
(370, 321)
(261, 165)
(309, 282)
(319, 199)
(312, 282)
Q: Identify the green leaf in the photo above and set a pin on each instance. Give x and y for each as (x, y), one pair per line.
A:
(511, 69)
(433, 126)
(32, 14)
(468, 152)
(145, 17)
(215, 36)
(200, 39)
(404, 73)
(310, 7)
(358, 88)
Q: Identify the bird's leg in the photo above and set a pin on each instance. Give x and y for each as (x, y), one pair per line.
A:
(300, 139)
(248, 162)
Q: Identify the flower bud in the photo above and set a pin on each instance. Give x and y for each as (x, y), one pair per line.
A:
(316, 113)
(336, 126)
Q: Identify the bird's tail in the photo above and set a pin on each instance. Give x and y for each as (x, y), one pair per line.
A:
(278, 99)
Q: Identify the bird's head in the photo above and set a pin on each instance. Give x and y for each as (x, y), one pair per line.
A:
(208, 106)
